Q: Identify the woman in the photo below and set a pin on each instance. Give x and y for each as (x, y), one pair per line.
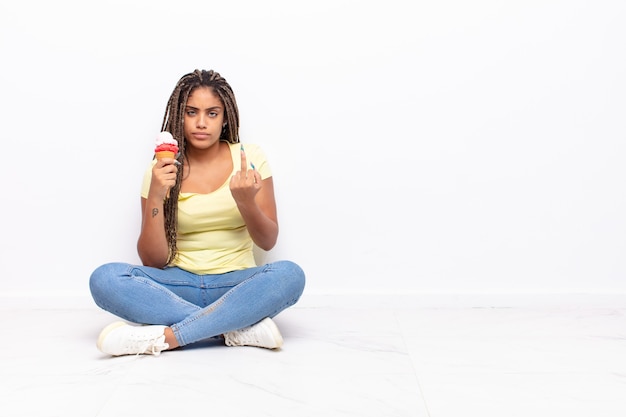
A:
(202, 213)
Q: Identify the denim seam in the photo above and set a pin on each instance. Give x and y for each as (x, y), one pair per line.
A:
(207, 310)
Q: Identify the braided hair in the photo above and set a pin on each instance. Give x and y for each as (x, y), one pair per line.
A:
(173, 123)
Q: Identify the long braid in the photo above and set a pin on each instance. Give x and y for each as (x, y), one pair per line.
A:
(173, 122)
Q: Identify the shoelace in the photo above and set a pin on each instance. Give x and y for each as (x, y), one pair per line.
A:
(155, 346)
(244, 336)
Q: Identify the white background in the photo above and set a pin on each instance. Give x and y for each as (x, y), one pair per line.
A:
(417, 146)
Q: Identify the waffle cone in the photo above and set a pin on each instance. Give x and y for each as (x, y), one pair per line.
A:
(165, 154)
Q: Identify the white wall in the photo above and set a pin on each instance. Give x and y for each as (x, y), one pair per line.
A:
(417, 146)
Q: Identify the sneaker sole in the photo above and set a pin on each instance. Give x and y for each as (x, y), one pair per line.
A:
(105, 332)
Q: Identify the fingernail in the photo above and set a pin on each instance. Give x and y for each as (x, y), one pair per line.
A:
(176, 162)
(242, 147)
(252, 165)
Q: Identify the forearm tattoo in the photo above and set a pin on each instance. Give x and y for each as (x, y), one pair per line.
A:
(155, 211)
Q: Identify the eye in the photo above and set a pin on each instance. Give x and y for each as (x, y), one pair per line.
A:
(213, 114)
(191, 112)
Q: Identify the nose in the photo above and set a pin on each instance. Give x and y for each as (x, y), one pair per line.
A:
(201, 121)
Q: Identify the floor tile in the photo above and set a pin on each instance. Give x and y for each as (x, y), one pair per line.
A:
(340, 358)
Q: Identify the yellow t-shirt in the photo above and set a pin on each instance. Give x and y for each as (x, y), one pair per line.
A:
(212, 236)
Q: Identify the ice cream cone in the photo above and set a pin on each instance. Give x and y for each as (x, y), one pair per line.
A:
(166, 147)
(165, 154)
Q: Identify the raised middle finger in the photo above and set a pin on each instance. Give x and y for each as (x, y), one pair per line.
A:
(244, 163)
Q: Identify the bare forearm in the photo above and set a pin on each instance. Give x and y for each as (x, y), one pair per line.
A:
(262, 229)
(152, 244)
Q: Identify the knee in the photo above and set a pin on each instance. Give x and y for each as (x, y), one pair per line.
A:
(294, 277)
(98, 276)
(101, 278)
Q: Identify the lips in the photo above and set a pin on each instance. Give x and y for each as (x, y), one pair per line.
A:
(200, 135)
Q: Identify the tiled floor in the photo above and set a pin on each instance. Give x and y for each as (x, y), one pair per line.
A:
(339, 359)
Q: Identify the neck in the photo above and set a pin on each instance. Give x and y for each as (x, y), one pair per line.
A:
(206, 155)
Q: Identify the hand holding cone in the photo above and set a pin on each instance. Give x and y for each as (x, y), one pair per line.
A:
(166, 147)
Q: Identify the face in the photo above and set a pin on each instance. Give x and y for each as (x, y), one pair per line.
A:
(204, 116)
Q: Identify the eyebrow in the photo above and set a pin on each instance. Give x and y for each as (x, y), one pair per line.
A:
(210, 108)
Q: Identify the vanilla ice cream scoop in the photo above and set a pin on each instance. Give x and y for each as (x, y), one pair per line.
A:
(165, 138)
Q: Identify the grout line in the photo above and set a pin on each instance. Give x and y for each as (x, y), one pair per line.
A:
(422, 393)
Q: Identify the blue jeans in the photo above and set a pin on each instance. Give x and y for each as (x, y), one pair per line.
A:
(196, 307)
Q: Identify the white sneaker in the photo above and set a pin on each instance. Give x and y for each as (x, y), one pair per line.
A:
(264, 334)
(120, 338)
